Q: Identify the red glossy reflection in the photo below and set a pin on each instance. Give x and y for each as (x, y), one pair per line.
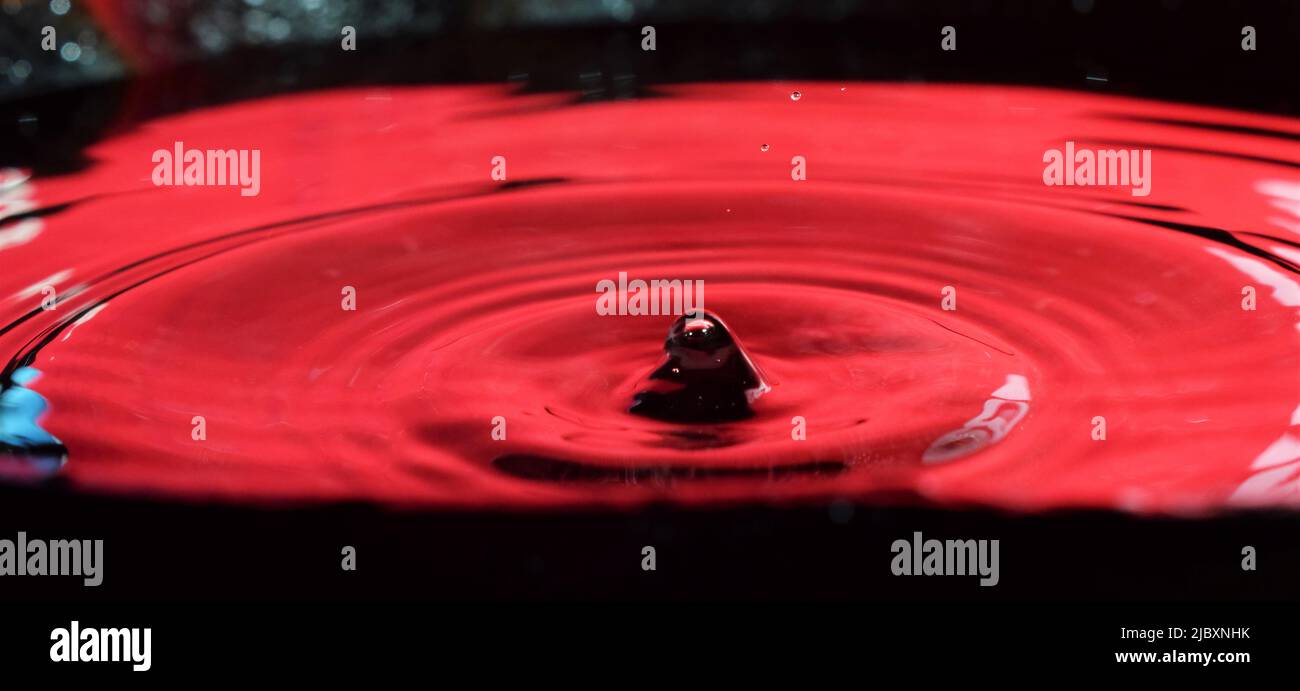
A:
(475, 301)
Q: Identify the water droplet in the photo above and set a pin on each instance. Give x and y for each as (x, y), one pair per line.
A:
(795, 95)
(764, 147)
(706, 376)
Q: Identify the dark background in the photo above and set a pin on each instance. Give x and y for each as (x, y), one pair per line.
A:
(169, 61)
(839, 552)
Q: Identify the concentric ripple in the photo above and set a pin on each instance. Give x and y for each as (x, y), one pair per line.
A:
(938, 324)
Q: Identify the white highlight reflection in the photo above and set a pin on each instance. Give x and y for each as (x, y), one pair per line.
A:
(1001, 413)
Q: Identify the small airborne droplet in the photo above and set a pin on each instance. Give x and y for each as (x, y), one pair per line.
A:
(706, 376)
(795, 96)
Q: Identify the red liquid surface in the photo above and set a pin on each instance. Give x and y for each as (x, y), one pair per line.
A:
(475, 299)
